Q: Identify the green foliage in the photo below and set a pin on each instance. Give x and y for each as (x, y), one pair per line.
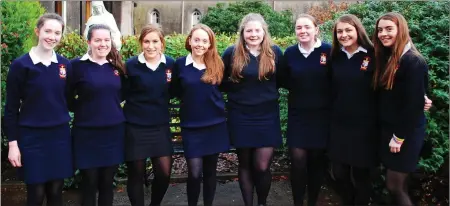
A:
(428, 22)
(226, 18)
(17, 36)
(72, 45)
(130, 47)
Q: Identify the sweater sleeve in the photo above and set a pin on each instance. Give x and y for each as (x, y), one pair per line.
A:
(413, 97)
(175, 83)
(15, 83)
(71, 84)
(283, 72)
(226, 58)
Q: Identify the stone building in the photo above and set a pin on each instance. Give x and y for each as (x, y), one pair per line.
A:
(173, 16)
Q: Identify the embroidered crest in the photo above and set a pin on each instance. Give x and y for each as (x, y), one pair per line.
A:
(365, 63)
(168, 75)
(116, 72)
(62, 71)
(323, 59)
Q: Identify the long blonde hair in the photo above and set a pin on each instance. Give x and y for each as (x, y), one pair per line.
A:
(241, 57)
(214, 65)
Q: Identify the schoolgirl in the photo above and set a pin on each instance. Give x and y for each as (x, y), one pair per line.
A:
(98, 126)
(253, 111)
(353, 131)
(147, 114)
(306, 76)
(36, 115)
(401, 77)
(195, 81)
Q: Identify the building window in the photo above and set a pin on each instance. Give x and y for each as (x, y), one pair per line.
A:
(154, 17)
(196, 16)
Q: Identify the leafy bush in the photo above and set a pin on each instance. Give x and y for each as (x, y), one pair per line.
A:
(72, 45)
(226, 18)
(17, 37)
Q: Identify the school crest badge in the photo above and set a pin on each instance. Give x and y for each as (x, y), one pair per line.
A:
(62, 71)
(323, 59)
(116, 72)
(168, 75)
(365, 63)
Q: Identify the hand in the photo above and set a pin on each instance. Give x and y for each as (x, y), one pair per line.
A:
(428, 103)
(395, 144)
(14, 154)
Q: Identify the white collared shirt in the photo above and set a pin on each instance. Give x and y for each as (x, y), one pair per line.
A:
(87, 56)
(153, 67)
(35, 59)
(406, 48)
(254, 53)
(190, 60)
(359, 49)
(307, 53)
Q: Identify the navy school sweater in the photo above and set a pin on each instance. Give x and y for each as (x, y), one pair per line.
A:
(307, 78)
(99, 94)
(353, 96)
(36, 94)
(250, 91)
(401, 108)
(201, 104)
(147, 92)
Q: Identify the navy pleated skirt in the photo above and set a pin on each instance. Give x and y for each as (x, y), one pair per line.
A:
(308, 129)
(406, 160)
(354, 143)
(46, 153)
(255, 126)
(198, 142)
(98, 146)
(142, 142)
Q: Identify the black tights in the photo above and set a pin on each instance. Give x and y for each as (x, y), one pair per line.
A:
(397, 185)
(162, 167)
(353, 184)
(196, 166)
(307, 168)
(254, 172)
(100, 179)
(52, 190)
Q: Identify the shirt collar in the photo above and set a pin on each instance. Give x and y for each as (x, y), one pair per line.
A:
(406, 48)
(252, 52)
(307, 53)
(142, 60)
(87, 56)
(189, 61)
(35, 59)
(359, 49)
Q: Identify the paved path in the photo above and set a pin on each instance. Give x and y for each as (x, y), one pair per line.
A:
(227, 194)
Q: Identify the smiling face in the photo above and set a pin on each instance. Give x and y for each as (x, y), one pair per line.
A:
(152, 45)
(100, 43)
(199, 42)
(305, 30)
(49, 35)
(387, 32)
(253, 33)
(346, 35)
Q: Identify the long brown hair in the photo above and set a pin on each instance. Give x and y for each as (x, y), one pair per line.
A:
(149, 29)
(113, 56)
(363, 38)
(241, 57)
(387, 59)
(214, 65)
